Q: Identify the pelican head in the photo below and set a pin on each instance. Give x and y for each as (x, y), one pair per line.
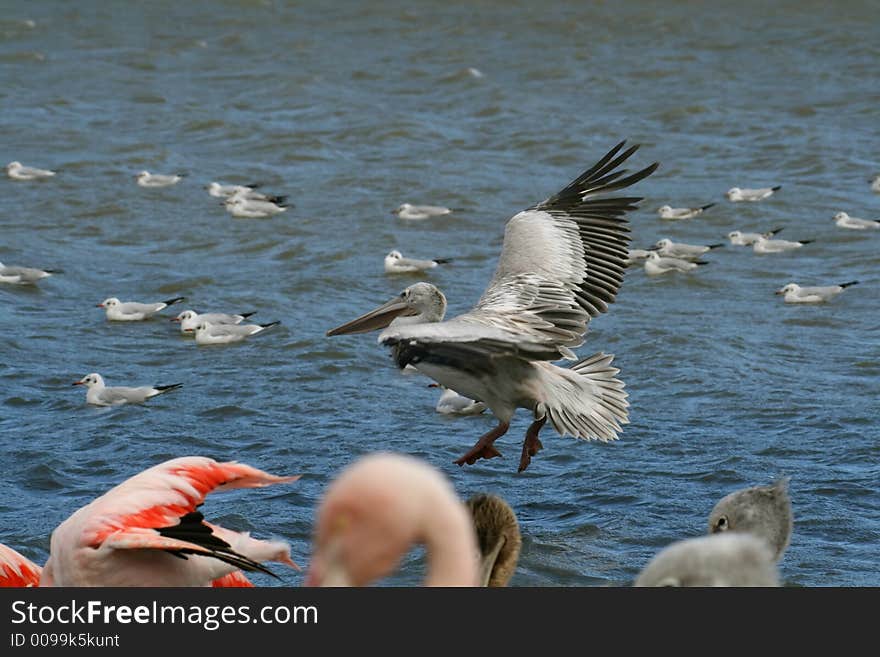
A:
(791, 287)
(421, 302)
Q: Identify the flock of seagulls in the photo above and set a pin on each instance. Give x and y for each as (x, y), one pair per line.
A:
(562, 263)
(666, 256)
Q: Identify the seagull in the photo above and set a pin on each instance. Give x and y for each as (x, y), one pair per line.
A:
(217, 190)
(17, 171)
(635, 256)
(667, 212)
(149, 531)
(794, 293)
(409, 211)
(731, 560)
(451, 403)
(657, 264)
(875, 183)
(763, 245)
(147, 179)
(843, 220)
(737, 194)
(668, 248)
(132, 311)
(561, 264)
(395, 263)
(739, 238)
(189, 319)
(23, 275)
(380, 507)
(250, 208)
(764, 511)
(207, 333)
(246, 192)
(100, 395)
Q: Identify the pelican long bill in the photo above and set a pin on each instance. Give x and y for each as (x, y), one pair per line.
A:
(375, 319)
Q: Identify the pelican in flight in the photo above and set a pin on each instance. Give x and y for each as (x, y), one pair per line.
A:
(561, 264)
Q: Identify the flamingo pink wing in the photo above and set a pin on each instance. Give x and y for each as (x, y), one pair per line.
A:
(234, 579)
(16, 570)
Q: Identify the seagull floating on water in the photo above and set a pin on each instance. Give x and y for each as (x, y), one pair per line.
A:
(668, 212)
(635, 256)
(657, 264)
(23, 275)
(132, 311)
(764, 511)
(764, 245)
(395, 263)
(561, 264)
(218, 190)
(875, 183)
(101, 395)
(794, 293)
(739, 238)
(252, 208)
(17, 171)
(147, 179)
(668, 248)
(737, 194)
(409, 211)
(189, 319)
(843, 220)
(451, 403)
(207, 333)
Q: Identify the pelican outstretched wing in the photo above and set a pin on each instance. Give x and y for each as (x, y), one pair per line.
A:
(561, 264)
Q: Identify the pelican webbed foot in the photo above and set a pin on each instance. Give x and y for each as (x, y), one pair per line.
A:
(483, 449)
(532, 444)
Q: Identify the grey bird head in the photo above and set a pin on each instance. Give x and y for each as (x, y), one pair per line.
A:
(735, 559)
(764, 511)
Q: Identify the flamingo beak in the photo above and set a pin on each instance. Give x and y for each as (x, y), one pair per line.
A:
(375, 319)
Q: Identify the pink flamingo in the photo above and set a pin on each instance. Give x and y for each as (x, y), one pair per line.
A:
(17, 570)
(376, 510)
(147, 531)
